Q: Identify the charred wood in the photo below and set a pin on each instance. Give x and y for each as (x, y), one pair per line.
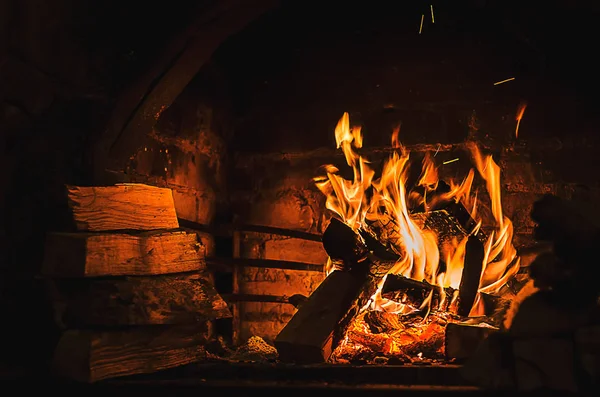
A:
(415, 291)
(469, 283)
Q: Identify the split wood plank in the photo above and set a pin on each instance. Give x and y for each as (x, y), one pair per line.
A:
(93, 355)
(166, 299)
(128, 206)
(106, 254)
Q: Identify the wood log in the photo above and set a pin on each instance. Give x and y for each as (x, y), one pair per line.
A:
(471, 275)
(416, 291)
(90, 356)
(320, 323)
(309, 336)
(167, 299)
(461, 340)
(121, 207)
(106, 254)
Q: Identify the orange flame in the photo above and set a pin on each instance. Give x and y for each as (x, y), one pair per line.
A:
(364, 201)
(520, 112)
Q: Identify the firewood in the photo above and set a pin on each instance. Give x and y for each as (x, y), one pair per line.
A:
(343, 244)
(469, 283)
(167, 299)
(416, 291)
(93, 355)
(320, 323)
(462, 340)
(309, 336)
(121, 207)
(106, 254)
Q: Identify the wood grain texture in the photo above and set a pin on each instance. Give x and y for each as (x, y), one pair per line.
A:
(123, 206)
(90, 356)
(168, 299)
(119, 254)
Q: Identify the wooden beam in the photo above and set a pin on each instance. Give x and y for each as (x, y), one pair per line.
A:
(141, 107)
(166, 299)
(119, 254)
(124, 206)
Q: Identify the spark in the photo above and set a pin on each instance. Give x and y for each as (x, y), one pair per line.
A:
(520, 111)
(438, 149)
(504, 81)
(421, 27)
(432, 17)
(450, 161)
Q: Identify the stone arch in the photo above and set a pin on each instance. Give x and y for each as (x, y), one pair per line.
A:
(140, 105)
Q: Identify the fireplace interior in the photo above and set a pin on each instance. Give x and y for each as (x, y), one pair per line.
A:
(245, 196)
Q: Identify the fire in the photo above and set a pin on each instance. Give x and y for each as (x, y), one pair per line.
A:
(520, 112)
(382, 203)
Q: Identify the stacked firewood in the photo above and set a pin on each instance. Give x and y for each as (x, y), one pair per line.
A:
(552, 336)
(130, 289)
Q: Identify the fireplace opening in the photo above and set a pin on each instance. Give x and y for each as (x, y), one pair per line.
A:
(359, 187)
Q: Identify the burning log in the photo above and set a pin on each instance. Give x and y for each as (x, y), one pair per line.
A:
(320, 323)
(416, 291)
(469, 283)
(461, 340)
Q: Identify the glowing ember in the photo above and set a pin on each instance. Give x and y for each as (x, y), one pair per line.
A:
(385, 204)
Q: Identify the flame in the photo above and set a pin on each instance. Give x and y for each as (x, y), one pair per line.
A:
(366, 202)
(520, 112)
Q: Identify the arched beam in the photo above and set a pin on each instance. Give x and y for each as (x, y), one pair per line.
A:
(139, 107)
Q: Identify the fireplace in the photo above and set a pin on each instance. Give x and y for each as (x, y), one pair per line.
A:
(362, 180)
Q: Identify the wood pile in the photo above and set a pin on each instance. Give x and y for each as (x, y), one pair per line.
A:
(130, 289)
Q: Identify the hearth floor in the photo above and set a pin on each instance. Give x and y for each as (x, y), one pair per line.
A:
(254, 379)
